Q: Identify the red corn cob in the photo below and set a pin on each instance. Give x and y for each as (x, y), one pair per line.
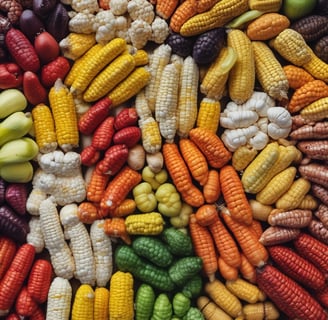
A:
(288, 296)
(128, 136)
(296, 267)
(16, 196)
(114, 159)
(98, 112)
(276, 235)
(22, 50)
(13, 316)
(89, 156)
(103, 135)
(39, 280)
(7, 253)
(15, 276)
(313, 250)
(55, 69)
(38, 314)
(25, 304)
(125, 118)
(97, 185)
(34, 91)
(10, 76)
(322, 296)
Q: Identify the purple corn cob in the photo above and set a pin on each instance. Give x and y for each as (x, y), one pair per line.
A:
(16, 196)
(3, 185)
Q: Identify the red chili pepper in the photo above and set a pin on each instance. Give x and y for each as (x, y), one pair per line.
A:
(10, 75)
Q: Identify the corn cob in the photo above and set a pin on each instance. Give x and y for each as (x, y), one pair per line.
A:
(318, 230)
(101, 304)
(211, 310)
(44, 128)
(7, 253)
(243, 156)
(121, 296)
(25, 305)
(151, 223)
(221, 13)
(316, 67)
(269, 71)
(242, 75)
(296, 218)
(91, 67)
(115, 72)
(64, 114)
(309, 202)
(321, 214)
(315, 172)
(209, 114)
(150, 135)
(130, 86)
(316, 111)
(141, 57)
(296, 76)
(83, 304)
(274, 235)
(265, 5)
(260, 310)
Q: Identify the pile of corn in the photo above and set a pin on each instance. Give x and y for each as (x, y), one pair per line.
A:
(172, 161)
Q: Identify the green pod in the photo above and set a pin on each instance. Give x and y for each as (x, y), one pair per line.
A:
(15, 126)
(179, 243)
(181, 304)
(11, 100)
(193, 314)
(21, 172)
(144, 302)
(18, 150)
(184, 269)
(193, 287)
(153, 249)
(244, 18)
(162, 308)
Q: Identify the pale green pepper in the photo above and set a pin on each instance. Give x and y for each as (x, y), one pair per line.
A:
(144, 197)
(169, 200)
(182, 219)
(155, 179)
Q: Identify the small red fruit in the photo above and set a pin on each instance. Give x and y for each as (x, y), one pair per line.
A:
(46, 47)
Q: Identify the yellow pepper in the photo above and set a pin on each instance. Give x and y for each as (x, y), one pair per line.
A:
(144, 197)
(182, 219)
(168, 198)
(155, 179)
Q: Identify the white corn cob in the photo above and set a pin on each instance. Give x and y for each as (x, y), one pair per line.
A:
(102, 250)
(80, 244)
(141, 105)
(35, 197)
(35, 235)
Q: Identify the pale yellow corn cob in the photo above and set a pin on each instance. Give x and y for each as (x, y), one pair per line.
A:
(141, 57)
(211, 310)
(226, 300)
(167, 102)
(188, 95)
(78, 236)
(242, 75)
(261, 310)
(317, 67)
(121, 296)
(35, 235)
(93, 65)
(293, 197)
(245, 290)
(221, 13)
(214, 82)
(243, 156)
(101, 304)
(269, 71)
(291, 45)
(115, 72)
(159, 58)
(316, 111)
(277, 186)
(265, 5)
(63, 109)
(83, 305)
(150, 135)
(74, 45)
(151, 223)
(141, 105)
(309, 202)
(59, 299)
(130, 86)
(44, 128)
(209, 114)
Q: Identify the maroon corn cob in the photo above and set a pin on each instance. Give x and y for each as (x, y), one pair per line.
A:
(318, 230)
(128, 136)
(322, 296)
(103, 135)
(288, 296)
(25, 305)
(125, 118)
(16, 196)
(3, 186)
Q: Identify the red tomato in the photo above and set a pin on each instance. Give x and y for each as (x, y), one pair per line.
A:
(46, 47)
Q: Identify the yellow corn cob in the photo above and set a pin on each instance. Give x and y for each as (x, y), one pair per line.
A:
(93, 65)
(255, 173)
(167, 102)
(59, 299)
(243, 156)
(261, 310)
(291, 45)
(130, 86)
(317, 67)
(309, 202)
(115, 72)
(265, 5)
(83, 304)
(64, 113)
(150, 135)
(44, 128)
(226, 300)
(121, 296)
(293, 197)
(211, 310)
(269, 71)
(78, 63)
(209, 114)
(221, 13)
(151, 223)
(277, 186)
(140, 57)
(74, 45)
(242, 75)
(245, 290)
(101, 304)
(316, 111)
(159, 58)
(188, 94)
(213, 84)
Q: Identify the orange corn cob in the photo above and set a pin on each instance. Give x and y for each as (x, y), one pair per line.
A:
(227, 271)
(165, 8)
(247, 270)
(96, 185)
(25, 305)
(183, 12)
(7, 253)
(212, 187)
(296, 76)
(204, 5)
(128, 206)
(115, 227)
(88, 212)
(206, 214)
